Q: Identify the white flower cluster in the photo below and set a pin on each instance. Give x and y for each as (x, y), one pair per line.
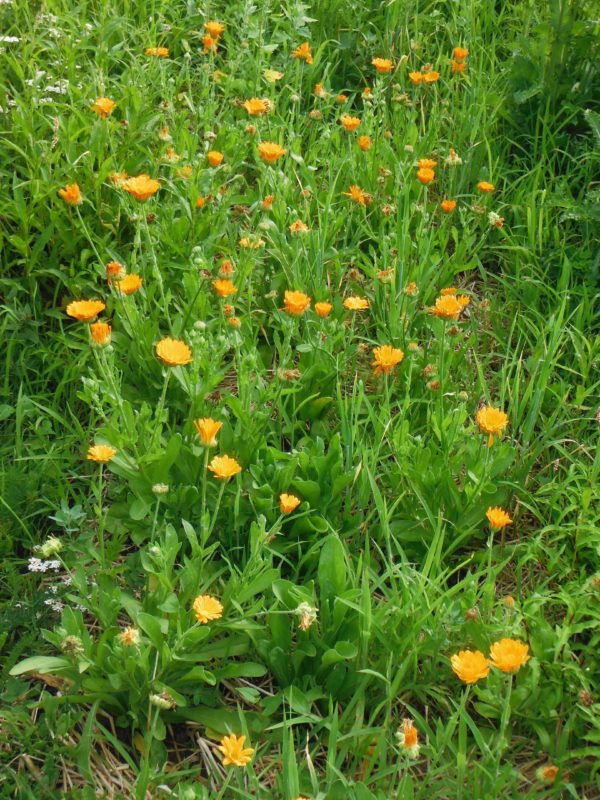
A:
(37, 565)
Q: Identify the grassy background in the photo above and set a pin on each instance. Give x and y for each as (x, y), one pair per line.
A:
(390, 542)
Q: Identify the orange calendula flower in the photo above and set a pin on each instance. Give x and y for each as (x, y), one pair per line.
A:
(341, 98)
(288, 503)
(209, 44)
(460, 53)
(118, 178)
(547, 773)
(356, 303)
(235, 322)
(364, 142)
(233, 751)
(411, 289)
(224, 467)
(449, 290)
(509, 655)
(448, 206)
(200, 202)
(173, 352)
(320, 91)
(207, 430)
(226, 268)
(101, 453)
(215, 158)
(267, 203)
(416, 77)
(431, 77)
(492, 421)
(104, 107)
(458, 67)
(142, 187)
(114, 271)
(85, 310)
(101, 333)
(256, 106)
(448, 307)
(129, 284)
(224, 287)
(386, 358)
(71, 194)
(427, 163)
(158, 52)
(383, 65)
(270, 152)
(214, 28)
(470, 665)
(296, 303)
(298, 227)
(207, 608)
(485, 187)
(425, 175)
(303, 52)
(498, 518)
(323, 309)
(359, 196)
(408, 738)
(349, 123)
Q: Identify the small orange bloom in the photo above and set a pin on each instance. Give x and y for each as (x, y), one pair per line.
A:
(485, 187)
(416, 77)
(200, 202)
(104, 106)
(233, 751)
(224, 287)
(270, 152)
(448, 307)
(114, 271)
(470, 666)
(267, 203)
(256, 106)
(226, 268)
(323, 309)
(349, 123)
(386, 358)
(448, 206)
(509, 655)
(296, 303)
(427, 163)
(85, 310)
(71, 194)
(214, 28)
(498, 518)
(320, 91)
(356, 303)
(101, 333)
(215, 158)
(458, 67)
(383, 65)
(129, 284)
(173, 352)
(207, 430)
(341, 98)
(142, 187)
(364, 142)
(425, 175)
(460, 53)
(358, 195)
(431, 77)
(288, 503)
(298, 227)
(492, 421)
(224, 467)
(158, 52)
(101, 453)
(303, 52)
(207, 608)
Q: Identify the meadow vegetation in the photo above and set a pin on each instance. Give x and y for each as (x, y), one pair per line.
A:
(298, 478)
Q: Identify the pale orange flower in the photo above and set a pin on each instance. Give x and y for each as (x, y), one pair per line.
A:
(101, 333)
(356, 194)
(448, 307)
(141, 187)
(509, 655)
(207, 608)
(224, 287)
(416, 77)
(485, 187)
(448, 206)
(492, 421)
(129, 284)
(386, 358)
(215, 158)
(235, 322)
(214, 28)
(303, 52)
(101, 453)
(267, 203)
(224, 467)
(349, 123)
(365, 142)
(470, 666)
(498, 518)
(296, 303)
(104, 107)
(209, 43)
(431, 77)
(173, 352)
(383, 65)
(323, 309)
(85, 310)
(256, 106)
(298, 227)
(356, 303)
(270, 152)
(158, 52)
(130, 637)
(200, 202)
(114, 271)
(71, 194)
(288, 503)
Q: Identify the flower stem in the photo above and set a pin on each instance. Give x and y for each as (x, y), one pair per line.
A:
(160, 409)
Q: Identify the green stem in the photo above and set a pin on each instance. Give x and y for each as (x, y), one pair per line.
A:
(160, 409)
(214, 519)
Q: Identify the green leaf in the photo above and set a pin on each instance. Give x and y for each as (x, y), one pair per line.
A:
(44, 664)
